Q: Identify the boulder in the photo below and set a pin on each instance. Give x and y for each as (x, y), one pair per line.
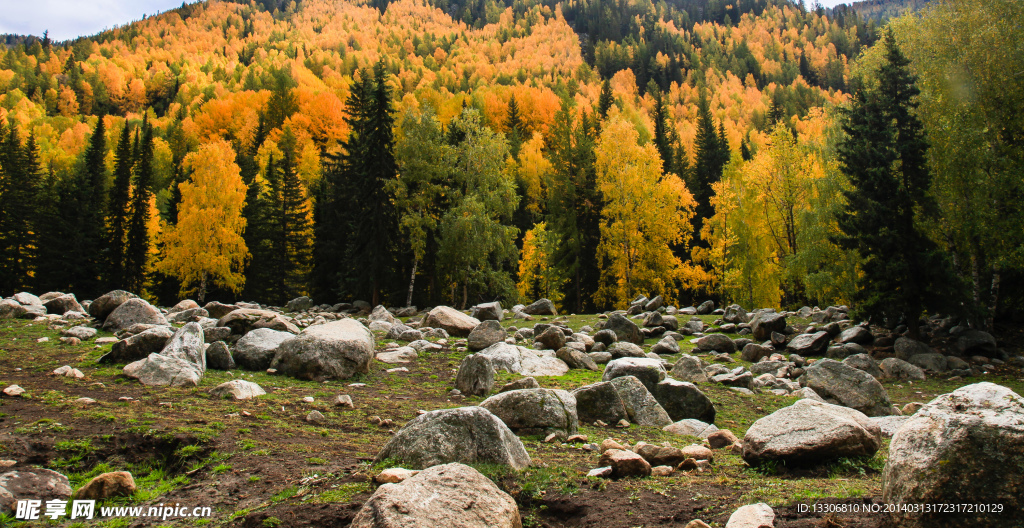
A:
(107, 486)
(810, 431)
(889, 424)
(139, 345)
(649, 371)
(706, 307)
(625, 330)
(735, 314)
(683, 400)
(470, 435)
(451, 320)
(606, 337)
(83, 333)
(188, 344)
(10, 309)
(901, 370)
(525, 361)
(218, 356)
(691, 427)
(105, 304)
(845, 385)
(339, 349)
(865, 363)
(621, 399)
(758, 515)
(689, 368)
(655, 303)
(722, 438)
(929, 362)
(32, 484)
(576, 359)
(257, 348)
(218, 310)
(965, 447)
(488, 311)
(160, 370)
(131, 312)
(26, 299)
(737, 377)
(237, 390)
(535, 411)
(475, 376)
(552, 338)
(753, 352)
(843, 351)
(764, 323)
(661, 455)
(245, 320)
(298, 304)
(521, 383)
(976, 343)
(442, 496)
(380, 313)
(623, 349)
(652, 319)
(63, 304)
(856, 334)
(625, 464)
(716, 343)
(541, 307)
(809, 344)
(905, 348)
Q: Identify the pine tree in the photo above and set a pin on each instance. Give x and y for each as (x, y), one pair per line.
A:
(138, 239)
(119, 211)
(296, 228)
(259, 213)
(707, 168)
(19, 176)
(662, 139)
(515, 127)
(884, 155)
(606, 100)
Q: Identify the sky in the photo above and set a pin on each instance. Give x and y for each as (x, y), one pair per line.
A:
(67, 19)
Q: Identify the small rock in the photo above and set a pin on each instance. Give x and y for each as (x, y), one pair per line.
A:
(911, 408)
(758, 515)
(698, 452)
(661, 471)
(576, 439)
(344, 400)
(308, 399)
(696, 523)
(610, 443)
(315, 417)
(625, 464)
(722, 438)
(601, 472)
(14, 391)
(107, 485)
(85, 401)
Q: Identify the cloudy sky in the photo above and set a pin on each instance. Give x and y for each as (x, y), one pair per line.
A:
(67, 19)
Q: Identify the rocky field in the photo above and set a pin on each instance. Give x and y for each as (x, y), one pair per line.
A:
(655, 416)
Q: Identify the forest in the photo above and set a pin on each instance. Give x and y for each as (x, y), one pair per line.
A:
(585, 151)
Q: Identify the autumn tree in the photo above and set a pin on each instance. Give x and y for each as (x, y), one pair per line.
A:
(884, 156)
(645, 212)
(539, 275)
(206, 245)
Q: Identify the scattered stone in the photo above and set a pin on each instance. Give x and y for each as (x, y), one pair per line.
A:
(930, 362)
(535, 411)
(905, 348)
(552, 338)
(911, 408)
(488, 311)
(576, 359)
(623, 398)
(83, 333)
(625, 464)
(716, 343)
(722, 438)
(237, 390)
(976, 342)
(697, 452)
(696, 523)
(315, 417)
(139, 345)
(476, 375)
(765, 323)
(601, 472)
(451, 320)
(809, 344)
(244, 320)
(811, 431)
(683, 400)
(889, 424)
(662, 471)
(758, 515)
(466, 434)
(689, 368)
(525, 361)
(901, 370)
(624, 329)
(650, 372)
(540, 307)
(865, 363)
(182, 361)
(106, 486)
(63, 304)
(980, 429)
(399, 355)
(486, 334)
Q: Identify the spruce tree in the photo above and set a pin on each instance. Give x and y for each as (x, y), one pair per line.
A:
(884, 156)
(296, 226)
(19, 187)
(514, 125)
(259, 214)
(606, 100)
(117, 221)
(662, 138)
(137, 241)
(85, 204)
(707, 168)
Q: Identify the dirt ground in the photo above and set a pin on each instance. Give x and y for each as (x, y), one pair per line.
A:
(260, 464)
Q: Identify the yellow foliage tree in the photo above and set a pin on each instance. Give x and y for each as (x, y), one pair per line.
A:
(206, 243)
(645, 213)
(538, 276)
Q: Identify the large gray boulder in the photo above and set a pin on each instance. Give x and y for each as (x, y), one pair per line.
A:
(865, 363)
(683, 400)
(451, 320)
(105, 304)
(855, 334)
(552, 338)
(475, 376)
(667, 346)
(11, 309)
(442, 496)
(625, 330)
(32, 484)
(298, 304)
(844, 385)
(965, 447)
(535, 411)
(63, 304)
(486, 334)
(541, 307)
(905, 348)
(649, 371)
(623, 349)
(901, 370)
(809, 344)
(576, 359)
(525, 361)
(811, 431)
(380, 313)
(26, 299)
(735, 314)
(764, 323)
(245, 320)
(218, 356)
(339, 350)
(181, 363)
(139, 345)
(929, 362)
(689, 368)
(256, 349)
(976, 343)
(132, 312)
(623, 398)
(219, 310)
(716, 343)
(488, 311)
(470, 435)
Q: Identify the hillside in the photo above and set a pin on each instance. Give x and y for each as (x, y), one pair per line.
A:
(881, 11)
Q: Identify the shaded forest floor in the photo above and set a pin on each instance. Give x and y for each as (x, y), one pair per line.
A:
(260, 464)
